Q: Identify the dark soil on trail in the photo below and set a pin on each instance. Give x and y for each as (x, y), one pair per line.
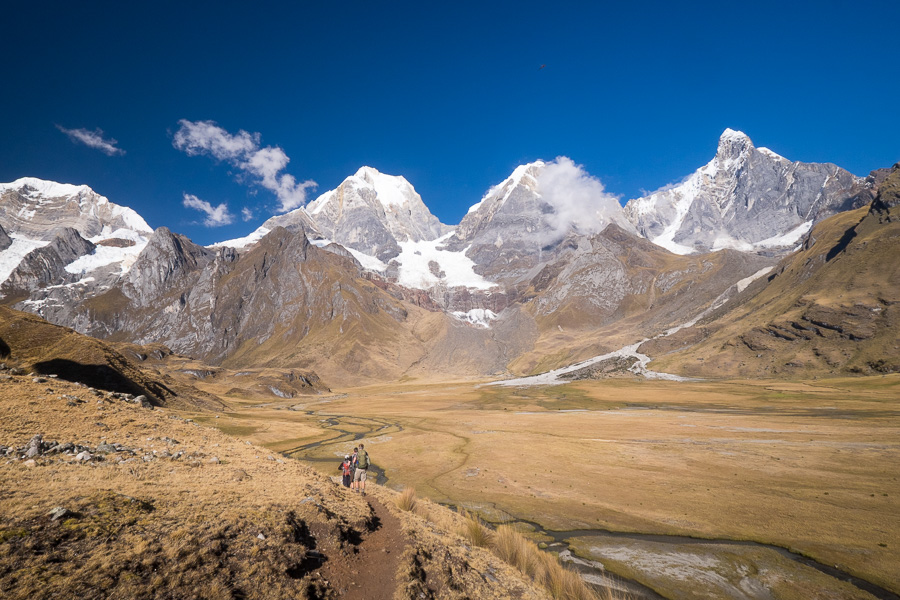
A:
(369, 570)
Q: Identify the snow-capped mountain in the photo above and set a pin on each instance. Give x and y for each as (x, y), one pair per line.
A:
(521, 221)
(35, 212)
(745, 198)
(369, 212)
(384, 224)
(372, 212)
(544, 268)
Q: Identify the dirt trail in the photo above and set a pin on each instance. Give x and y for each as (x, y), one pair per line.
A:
(370, 571)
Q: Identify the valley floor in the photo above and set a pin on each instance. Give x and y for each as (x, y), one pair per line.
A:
(809, 467)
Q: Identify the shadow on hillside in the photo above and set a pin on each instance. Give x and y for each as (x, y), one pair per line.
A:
(102, 377)
(4, 349)
(842, 244)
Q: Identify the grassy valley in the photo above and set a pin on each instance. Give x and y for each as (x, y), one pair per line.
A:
(807, 466)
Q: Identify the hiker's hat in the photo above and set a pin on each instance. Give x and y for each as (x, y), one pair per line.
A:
(346, 456)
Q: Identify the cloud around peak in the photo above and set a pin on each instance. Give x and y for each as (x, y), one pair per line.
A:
(93, 139)
(242, 151)
(579, 200)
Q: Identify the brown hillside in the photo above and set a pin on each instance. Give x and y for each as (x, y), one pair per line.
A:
(833, 307)
(35, 345)
(103, 498)
(618, 288)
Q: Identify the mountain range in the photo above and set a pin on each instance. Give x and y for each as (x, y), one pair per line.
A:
(365, 284)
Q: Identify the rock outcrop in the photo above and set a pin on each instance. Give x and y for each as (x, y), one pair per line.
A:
(47, 265)
(5, 240)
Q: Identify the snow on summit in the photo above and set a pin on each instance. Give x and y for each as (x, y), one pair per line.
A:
(745, 198)
(33, 210)
(390, 190)
(40, 188)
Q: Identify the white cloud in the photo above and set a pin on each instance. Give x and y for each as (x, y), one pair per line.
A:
(242, 151)
(246, 214)
(205, 137)
(93, 139)
(215, 216)
(579, 200)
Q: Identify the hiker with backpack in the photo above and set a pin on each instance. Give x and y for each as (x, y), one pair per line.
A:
(346, 468)
(353, 459)
(362, 464)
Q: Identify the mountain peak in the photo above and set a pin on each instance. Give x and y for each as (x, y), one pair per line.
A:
(369, 173)
(45, 188)
(745, 198)
(730, 133)
(733, 143)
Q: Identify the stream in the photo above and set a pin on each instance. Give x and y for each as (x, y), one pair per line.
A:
(591, 570)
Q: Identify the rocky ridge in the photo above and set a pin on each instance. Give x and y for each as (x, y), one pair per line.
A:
(745, 198)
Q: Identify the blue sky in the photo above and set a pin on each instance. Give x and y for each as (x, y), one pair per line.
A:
(450, 95)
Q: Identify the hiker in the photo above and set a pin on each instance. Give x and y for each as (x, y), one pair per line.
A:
(347, 471)
(362, 464)
(353, 460)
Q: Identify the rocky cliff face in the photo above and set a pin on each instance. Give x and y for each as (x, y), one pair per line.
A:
(47, 265)
(5, 240)
(886, 206)
(746, 198)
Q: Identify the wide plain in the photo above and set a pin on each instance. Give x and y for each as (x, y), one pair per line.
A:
(810, 466)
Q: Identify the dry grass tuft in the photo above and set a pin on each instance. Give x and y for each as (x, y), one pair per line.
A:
(512, 547)
(407, 500)
(543, 567)
(474, 530)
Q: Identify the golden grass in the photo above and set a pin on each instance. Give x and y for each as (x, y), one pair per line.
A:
(474, 530)
(543, 567)
(187, 528)
(406, 500)
(729, 459)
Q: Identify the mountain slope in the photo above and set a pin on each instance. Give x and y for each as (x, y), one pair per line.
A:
(33, 211)
(107, 499)
(282, 302)
(614, 288)
(745, 198)
(36, 345)
(833, 307)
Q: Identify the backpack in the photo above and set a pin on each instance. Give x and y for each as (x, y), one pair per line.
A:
(362, 460)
